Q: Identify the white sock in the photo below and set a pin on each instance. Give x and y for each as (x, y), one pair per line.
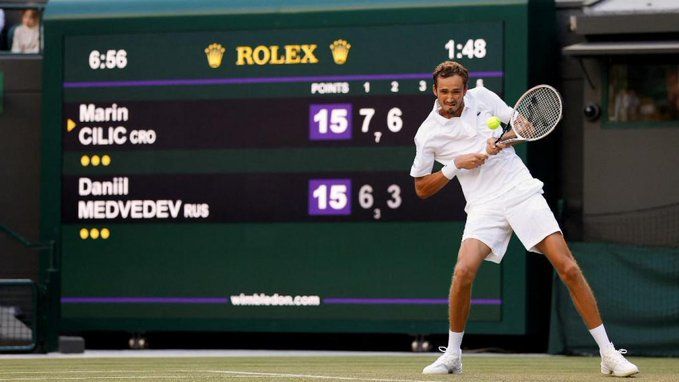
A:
(454, 342)
(599, 334)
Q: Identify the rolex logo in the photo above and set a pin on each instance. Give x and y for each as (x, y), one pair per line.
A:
(340, 51)
(214, 53)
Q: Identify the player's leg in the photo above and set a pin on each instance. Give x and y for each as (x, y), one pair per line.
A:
(536, 227)
(556, 250)
(469, 260)
(471, 255)
(486, 237)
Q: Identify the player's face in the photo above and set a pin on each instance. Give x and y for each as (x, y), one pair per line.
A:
(450, 92)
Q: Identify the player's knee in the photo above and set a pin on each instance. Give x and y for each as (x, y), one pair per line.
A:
(463, 274)
(570, 272)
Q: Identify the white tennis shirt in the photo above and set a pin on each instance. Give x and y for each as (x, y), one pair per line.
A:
(441, 139)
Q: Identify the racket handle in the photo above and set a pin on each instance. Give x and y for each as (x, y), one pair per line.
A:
(505, 129)
(511, 140)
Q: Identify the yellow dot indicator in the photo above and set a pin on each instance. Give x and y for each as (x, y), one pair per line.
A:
(84, 233)
(105, 233)
(105, 160)
(94, 233)
(85, 160)
(95, 160)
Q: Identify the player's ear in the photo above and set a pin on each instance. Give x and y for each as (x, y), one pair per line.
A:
(434, 90)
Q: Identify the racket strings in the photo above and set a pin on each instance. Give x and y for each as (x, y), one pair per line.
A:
(538, 113)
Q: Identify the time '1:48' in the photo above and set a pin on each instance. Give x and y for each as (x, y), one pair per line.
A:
(473, 48)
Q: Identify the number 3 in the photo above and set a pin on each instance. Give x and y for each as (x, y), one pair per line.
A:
(395, 201)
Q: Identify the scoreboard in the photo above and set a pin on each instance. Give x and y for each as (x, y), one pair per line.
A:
(204, 175)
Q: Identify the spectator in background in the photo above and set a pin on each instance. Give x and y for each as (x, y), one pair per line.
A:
(2, 27)
(27, 35)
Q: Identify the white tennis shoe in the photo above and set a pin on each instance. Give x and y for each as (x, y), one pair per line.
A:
(612, 362)
(447, 363)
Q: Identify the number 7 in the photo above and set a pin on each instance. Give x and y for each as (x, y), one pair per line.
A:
(368, 113)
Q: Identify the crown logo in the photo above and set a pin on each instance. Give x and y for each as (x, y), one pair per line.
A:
(214, 53)
(340, 51)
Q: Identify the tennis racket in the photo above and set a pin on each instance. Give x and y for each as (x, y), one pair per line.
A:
(535, 115)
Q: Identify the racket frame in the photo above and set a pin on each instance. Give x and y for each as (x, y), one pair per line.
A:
(509, 126)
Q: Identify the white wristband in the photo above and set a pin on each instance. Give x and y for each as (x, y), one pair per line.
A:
(450, 170)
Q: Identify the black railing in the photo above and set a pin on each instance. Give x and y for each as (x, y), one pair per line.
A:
(23, 315)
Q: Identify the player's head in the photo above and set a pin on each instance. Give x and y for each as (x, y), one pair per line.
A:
(450, 86)
(448, 69)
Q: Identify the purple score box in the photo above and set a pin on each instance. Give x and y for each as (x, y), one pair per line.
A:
(330, 122)
(329, 197)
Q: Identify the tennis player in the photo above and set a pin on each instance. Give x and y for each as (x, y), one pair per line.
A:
(502, 196)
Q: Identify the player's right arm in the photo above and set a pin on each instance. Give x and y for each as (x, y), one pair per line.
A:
(428, 185)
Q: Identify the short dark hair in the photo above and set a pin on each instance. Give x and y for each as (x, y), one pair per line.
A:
(450, 68)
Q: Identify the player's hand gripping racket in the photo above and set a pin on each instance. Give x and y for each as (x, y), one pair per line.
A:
(535, 115)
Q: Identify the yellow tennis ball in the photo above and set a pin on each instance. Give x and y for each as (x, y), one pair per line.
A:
(493, 123)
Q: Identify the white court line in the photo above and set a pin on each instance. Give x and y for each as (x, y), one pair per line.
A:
(246, 376)
(191, 373)
(310, 376)
(230, 373)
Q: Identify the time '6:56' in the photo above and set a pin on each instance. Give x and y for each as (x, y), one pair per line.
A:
(112, 59)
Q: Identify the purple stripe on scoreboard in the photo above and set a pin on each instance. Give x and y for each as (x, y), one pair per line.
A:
(406, 301)
(144, 300)
(267, 80)
(224, 300)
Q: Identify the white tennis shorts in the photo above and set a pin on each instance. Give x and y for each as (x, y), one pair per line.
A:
(492, 223)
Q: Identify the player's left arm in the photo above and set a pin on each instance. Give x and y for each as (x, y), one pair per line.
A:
(496, 105)
(506, 114)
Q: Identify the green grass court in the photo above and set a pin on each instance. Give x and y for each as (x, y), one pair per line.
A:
(323, 368)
